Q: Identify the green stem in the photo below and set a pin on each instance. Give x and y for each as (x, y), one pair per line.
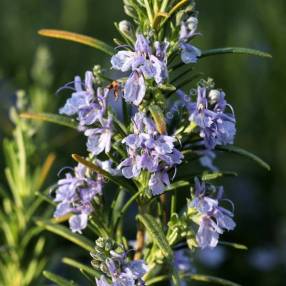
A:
(173, 202)
(182, 74)
(126, 207)
(140, 237)
(164, 5)
(149, 12)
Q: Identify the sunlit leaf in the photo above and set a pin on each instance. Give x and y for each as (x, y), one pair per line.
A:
(80, 266)
(234, 245)
(194, 277)
(64, 232)
(58, 279)
(245, 153)
(159, 118)
(235, 50)
(122, 182)
(52, 118)
(45, 169)
(78, 38)
(156, 232)
(178, 185)
(210, 279)
(216, 175)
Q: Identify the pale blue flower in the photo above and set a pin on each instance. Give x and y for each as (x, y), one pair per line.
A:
(148, 150)
(74, 195)
(78, 222)
(158, 182)
(208, 233)
(89, 106)
(209, 113)
(189, 53)
(143, 64)
(99, 139)
(214, 218)
(135, 88)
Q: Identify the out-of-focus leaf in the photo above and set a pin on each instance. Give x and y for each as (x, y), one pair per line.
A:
(122, 182)
(243, 152)
(64, 232)
(234, 245)
(41, 178)
(210, 279)
(216, 175)
(52, 118)
(78, 38)
(235, 50)
(194, 277)
(184, 175)
(80, 266)
(177, 185)
(58, 279)
(157, 234)
(174, 9)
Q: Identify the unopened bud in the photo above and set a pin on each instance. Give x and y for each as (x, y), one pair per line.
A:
(215, 95)
(125, 27)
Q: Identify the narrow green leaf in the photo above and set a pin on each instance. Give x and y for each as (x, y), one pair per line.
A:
(177, 185)
(235, 50)
(196, 277)
(174, 9)
(44, 171)
(185, 176)
(80, 266)
(78, 38)
(210, 279)
(234, 245)
(99, 228)
(58, 279)
(122, 182)
(243, 152)
(52, 118)
(125, 208)
(156, 232)
(216, 175)
(67, 234)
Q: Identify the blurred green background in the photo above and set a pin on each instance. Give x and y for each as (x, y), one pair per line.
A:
(254, 86)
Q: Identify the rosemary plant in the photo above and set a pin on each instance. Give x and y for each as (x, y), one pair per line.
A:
(153, 128)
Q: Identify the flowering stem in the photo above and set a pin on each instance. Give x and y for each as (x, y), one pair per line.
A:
(140, 241)
(163, 201)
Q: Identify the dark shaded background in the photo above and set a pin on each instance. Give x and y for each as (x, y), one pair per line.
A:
(254, 86)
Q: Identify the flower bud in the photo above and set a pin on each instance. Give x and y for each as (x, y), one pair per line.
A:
(215, 95)
(125, 26)
(100, 242)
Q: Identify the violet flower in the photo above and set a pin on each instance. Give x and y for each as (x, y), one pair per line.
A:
(208, 113)
(143, 64)
(74, 195)
(116, 267)
(189, 53)
(214, 219)
(89, 106)
(99, 139)
(150, 151)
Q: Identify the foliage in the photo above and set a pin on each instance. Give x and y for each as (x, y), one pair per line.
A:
(158, 251)
(23, 244)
